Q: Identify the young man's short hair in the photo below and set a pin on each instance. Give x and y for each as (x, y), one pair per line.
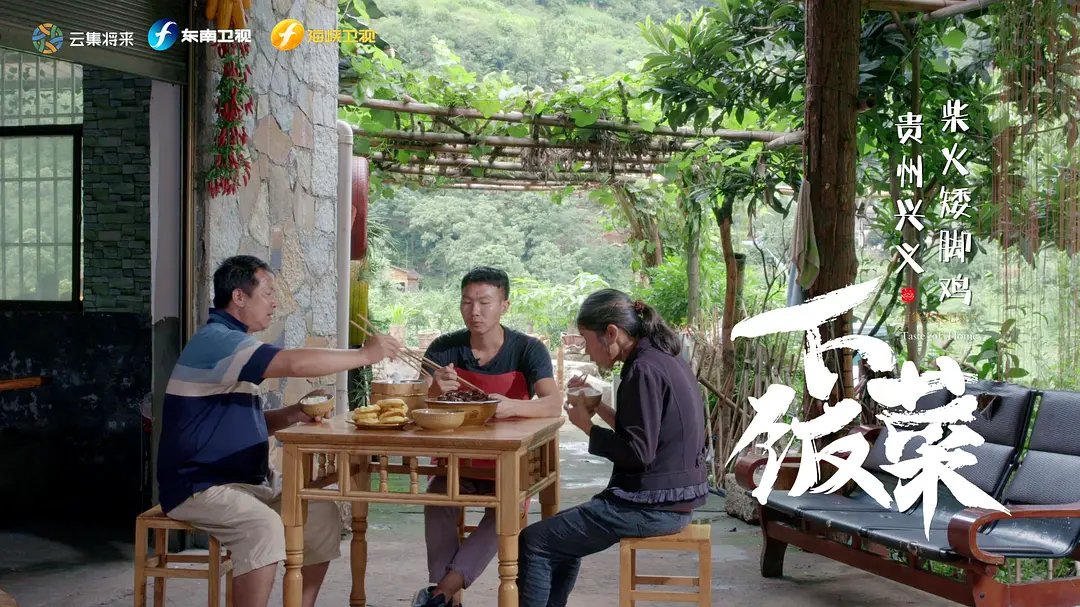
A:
(236, 272)
(488, 276)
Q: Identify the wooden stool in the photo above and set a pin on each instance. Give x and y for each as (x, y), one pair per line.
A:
(696, 537)
(157, 564)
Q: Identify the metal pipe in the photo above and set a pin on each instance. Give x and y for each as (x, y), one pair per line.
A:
(189, 306)
(344, 247)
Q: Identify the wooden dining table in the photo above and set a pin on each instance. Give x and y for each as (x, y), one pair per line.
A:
(335, 461)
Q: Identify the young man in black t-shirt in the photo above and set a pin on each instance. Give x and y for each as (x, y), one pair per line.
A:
(512, 367)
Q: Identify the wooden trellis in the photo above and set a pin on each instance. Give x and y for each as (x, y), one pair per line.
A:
(455, 158)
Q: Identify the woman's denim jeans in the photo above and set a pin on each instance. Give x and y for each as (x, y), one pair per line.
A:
(551, 550)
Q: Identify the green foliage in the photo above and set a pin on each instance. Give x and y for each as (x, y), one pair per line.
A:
(1031, 570)
(549, 309)
(536, 306)
(739, 65)
(534, 41)
(667, 289)
(551, 253)
(995, 359)
(444, 234)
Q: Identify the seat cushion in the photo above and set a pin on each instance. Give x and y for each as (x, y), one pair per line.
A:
(936, 548)
(796, 506)
(1003, 413)
(860, 522)
(991, 467)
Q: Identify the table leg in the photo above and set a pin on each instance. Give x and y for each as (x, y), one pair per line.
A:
(508, 522)
(292, 517)
(358, 546)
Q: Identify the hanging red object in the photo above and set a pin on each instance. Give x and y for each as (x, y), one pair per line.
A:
(232, 164)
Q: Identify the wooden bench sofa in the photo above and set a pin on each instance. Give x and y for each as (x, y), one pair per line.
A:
(1030, 462)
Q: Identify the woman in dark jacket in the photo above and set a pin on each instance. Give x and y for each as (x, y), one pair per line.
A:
(657, 443)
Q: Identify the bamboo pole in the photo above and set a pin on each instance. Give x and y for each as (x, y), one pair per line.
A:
(909, 5)
(502, 188)
(523, 142)
(604, 125)
(499, 166)
(652, 157)
(459, 154)
(556, 177)
(953, 10)
(489, 181)
(786, 140)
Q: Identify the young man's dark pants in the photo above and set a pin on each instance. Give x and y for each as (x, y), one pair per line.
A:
(550, 551)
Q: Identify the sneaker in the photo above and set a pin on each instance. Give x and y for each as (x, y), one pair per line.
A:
(422, 596)
(439, 600)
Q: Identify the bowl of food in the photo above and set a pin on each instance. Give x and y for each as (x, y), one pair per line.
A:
(438, 419)
(478, 407)
(584, 397)
(317, 405)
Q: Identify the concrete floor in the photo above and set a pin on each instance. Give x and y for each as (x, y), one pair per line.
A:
(69, 566)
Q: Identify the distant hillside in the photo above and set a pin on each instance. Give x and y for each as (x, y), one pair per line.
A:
(534, 40)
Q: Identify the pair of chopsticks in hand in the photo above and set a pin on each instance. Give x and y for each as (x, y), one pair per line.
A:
(416, 361)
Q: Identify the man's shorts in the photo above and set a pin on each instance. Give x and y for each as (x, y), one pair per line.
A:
(246, 520)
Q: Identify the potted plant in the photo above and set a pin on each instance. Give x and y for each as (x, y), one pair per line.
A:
(400, 315)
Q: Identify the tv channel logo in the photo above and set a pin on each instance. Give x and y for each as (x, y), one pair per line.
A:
(47, 38)
(287, 34)
(163, 34)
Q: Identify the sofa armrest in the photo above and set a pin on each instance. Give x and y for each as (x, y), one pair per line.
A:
(870, 433)
(965, 525)
(747, 465)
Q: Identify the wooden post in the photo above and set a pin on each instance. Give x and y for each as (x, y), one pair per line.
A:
(560, 377)
(832, 79)
(693, 264)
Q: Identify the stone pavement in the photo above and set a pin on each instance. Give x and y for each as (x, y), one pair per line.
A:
(75, 567)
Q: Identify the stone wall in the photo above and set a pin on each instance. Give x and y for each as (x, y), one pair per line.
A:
(286, 214)
(116, 192)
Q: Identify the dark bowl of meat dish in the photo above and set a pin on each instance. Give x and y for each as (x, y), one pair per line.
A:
(478, 407)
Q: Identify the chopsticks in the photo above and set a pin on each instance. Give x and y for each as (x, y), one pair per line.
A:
(416, 361)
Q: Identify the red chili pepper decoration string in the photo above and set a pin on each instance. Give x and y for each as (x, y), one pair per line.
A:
(232, 164)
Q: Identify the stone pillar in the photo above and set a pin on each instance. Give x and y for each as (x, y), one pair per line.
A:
(286, 214)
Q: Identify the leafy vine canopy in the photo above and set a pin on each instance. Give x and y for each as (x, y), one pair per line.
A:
(739, 66)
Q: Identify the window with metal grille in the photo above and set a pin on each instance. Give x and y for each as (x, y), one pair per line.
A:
(40, 184)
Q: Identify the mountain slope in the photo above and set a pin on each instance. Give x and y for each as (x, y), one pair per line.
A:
(534, 40)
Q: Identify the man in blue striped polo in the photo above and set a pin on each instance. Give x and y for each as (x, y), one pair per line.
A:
(213, 466)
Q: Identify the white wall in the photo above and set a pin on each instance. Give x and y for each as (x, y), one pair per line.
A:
(165, 194)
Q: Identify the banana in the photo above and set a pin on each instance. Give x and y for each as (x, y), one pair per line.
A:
(211, 8)
(224, 15)
(238, 15)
